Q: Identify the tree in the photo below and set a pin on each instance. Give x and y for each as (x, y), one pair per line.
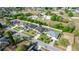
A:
(70, 14)
(62, 42)
(59, 18)
(8, 21)
(56, 18)
(59, 26)
(76, 32)
(61, 13)
(53, 17)
(21, 47)
(28, 14)
(1, 27)
(9, 35)
(66, 10)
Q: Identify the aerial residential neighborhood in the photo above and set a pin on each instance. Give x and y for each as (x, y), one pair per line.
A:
(39, 29)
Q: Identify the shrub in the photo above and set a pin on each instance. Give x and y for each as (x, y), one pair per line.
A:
(70, 14)
(56, 18)
(66, 10)
(76, 32)
(21, 48)
(62, 42)
(44, 38)
(67, 28)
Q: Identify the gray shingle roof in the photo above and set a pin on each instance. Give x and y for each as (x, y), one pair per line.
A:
(54, 34)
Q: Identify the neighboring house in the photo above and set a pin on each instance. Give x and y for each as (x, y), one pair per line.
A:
(4, 42)
(41, 29)
(33, 17)
(21, 36)
(77, 10)
(53, 35)
(2, 22)
(45, 17)
(34, 47)
(16, 22)
(31, 25)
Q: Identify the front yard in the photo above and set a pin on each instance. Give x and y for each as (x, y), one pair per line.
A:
(43, 37)
(30, 32)
(18, 28)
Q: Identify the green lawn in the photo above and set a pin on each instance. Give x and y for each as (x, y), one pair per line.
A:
(44, 38)
(18, 28)
(21, 48)
(30, 32)
(62, 42)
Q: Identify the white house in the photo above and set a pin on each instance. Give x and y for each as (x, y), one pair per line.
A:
(33, 17)
(46, 17)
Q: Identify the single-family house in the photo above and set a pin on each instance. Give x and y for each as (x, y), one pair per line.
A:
(34, 47)
(4, 42)
(77, 10)
(53, 34)
(33, 17)
(16, 22)
(46, 17)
